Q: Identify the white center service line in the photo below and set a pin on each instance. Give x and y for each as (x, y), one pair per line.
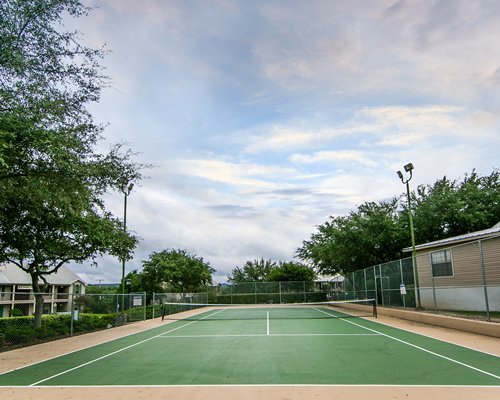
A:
(268, 323)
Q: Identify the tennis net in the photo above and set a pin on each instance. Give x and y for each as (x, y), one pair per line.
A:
(319, 310)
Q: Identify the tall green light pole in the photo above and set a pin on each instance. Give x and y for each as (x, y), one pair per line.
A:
(409, 168)
(126, 192)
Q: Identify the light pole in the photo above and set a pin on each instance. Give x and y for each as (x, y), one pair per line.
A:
(409, 168)
(126, 192)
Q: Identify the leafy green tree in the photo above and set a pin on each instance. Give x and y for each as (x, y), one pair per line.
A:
(100, 289)
(186, 273)
(43, 64)
(377, 232)
(270, 271)
(290, 271)
(367, 236)
(52, 178)
(451, 208)
(252, 271)
(147, 281)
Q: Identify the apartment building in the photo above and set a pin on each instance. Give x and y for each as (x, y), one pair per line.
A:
(16, 291)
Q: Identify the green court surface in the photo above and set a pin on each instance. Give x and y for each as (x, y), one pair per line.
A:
(266, 347)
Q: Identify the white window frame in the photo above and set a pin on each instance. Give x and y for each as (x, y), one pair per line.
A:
(447, 260)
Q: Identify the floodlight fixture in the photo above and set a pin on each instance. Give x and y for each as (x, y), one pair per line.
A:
(409, 167)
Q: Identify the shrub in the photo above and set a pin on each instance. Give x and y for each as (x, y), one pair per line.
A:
(21, 331)
(15, 312)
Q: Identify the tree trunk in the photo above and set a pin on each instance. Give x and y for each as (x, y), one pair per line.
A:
(38, 301)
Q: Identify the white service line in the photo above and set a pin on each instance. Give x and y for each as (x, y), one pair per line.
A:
(418, 347)
(117, 351)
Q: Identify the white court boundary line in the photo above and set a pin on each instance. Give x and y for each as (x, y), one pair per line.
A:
(116, 352)
(292, 385)
(421, 348)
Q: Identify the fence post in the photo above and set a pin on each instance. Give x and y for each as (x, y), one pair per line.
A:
(72, 315)
(366, 289)
(381, 279)
(402, 281)
(353, 287)
(485, 285)
(154, 304)
(433, 283)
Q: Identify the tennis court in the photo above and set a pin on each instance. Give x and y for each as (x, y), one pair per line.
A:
(266, 345)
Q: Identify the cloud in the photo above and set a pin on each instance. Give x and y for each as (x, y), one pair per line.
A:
(239, 175)
(394, 125)
(345, 156)
(279, 137)
(292, 135)
(266, 117)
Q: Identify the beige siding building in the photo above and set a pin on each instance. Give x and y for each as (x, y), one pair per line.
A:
(16, 291)
(461, 273)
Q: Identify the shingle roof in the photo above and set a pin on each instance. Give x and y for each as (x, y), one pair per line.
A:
(468, 237)
(11, 274)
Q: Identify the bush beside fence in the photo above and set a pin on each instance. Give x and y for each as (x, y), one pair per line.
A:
(21, 331)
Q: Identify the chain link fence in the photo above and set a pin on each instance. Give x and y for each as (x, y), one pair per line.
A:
(392, 284)
(249, 293)
(463, 279)
(64, 315)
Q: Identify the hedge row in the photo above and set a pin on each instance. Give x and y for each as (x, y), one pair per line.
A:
(21, 331)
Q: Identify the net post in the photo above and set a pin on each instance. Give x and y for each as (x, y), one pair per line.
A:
(375, 308)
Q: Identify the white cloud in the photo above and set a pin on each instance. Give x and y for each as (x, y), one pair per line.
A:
(345, 156)
(279, 137)
(239, 175)
(276, 138)
(266, 117)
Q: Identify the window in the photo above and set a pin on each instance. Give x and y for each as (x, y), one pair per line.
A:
(441, 263)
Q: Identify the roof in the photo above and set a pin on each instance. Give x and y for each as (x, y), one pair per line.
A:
(11, 274)
(468, 237)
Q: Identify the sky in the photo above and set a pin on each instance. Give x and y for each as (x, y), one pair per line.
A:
(264, 118)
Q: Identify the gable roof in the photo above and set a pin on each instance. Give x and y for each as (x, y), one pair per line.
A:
(11, 274)
(468, 237)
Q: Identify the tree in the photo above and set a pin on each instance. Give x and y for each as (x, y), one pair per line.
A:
(377, 232)
(365, 237)
(49, 221)
(148, 281)
(270, 271)
(185, 272)
(290, 271)
(252, 271)
(52, 179)
(41, 63)
(451, 208)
